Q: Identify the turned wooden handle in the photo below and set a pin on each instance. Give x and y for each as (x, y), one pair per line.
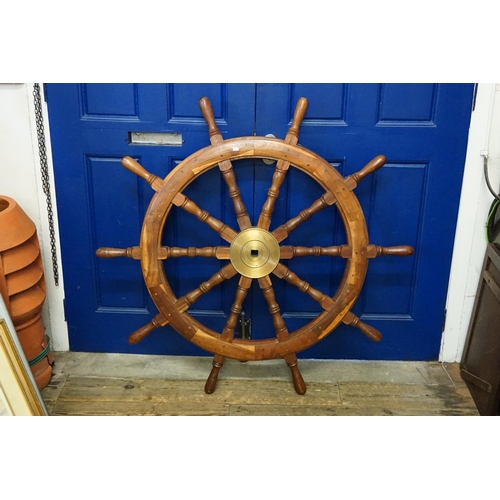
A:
(212, 378)
(369, 168)
(281, 232)
(399, 251)
(369, 331)
(298, 380)
(137, 169)
(208, 114)
(298, 116)
(344, 251)
(110, 253)
(138, 335)
(373, 251)
(218, 226)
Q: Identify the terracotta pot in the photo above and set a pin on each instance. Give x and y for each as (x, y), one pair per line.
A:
(20, 256)
(42, 371)
(25, 278)
(22, 285)
(31, 334)
(15, 226)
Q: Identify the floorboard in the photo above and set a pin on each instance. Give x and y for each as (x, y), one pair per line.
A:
(426, 389)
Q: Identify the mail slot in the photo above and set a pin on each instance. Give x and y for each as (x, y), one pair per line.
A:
(155, 138)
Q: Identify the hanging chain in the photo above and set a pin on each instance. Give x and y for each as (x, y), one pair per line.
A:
(44, 168)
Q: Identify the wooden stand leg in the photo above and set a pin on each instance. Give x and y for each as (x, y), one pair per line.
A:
(291, 361)
(298, 381)
(214, 374)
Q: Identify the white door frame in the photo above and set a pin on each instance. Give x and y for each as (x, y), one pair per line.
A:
(470, 240)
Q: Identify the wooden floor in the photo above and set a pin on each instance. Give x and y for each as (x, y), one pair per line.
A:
(442, 392)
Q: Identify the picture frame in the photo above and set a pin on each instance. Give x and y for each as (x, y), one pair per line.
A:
(19, 394)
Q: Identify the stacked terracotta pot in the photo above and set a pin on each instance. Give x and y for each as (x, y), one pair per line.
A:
(22, 285)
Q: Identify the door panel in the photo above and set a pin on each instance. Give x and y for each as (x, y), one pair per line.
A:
(420, 128)
(102, 204)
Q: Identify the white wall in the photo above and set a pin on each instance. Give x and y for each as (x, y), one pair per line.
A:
(470, 240)
(20, 179)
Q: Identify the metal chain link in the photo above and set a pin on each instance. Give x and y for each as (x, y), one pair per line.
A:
(44, 168)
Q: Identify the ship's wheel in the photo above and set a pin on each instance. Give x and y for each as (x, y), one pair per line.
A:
(253, 252)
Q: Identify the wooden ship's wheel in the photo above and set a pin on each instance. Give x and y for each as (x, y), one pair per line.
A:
(254, 252)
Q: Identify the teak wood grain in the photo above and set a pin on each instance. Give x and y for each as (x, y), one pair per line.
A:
(349, 208)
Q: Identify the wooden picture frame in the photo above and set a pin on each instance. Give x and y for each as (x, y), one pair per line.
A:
(19, 394)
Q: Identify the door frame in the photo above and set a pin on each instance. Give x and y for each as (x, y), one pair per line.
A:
(469, 245)
(470, 242)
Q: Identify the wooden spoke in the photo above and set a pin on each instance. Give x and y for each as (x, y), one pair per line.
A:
(268, 207)
(211, 382)
(190, 206)
(234, 193)
(241, 293)
(130, 164)
(281, 232)
(156, 322)
(227, 272)
(282, 166)
(111, 253)
(228, 331)
(353, 180)
(369, 331)
(225, 166)
(397, 251)
(183, 303)
(282, 333)
(221, 253)
(288, 252)
(278, 322)
(323, 300)
(344, 251)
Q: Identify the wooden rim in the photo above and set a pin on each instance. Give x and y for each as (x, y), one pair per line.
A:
(241, 148)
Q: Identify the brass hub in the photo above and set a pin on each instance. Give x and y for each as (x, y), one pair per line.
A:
(254, 253)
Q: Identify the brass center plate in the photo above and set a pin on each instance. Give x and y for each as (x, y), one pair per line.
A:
(254, 253)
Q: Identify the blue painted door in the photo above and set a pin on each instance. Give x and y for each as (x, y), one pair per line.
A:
(101, 204)
(420, 128)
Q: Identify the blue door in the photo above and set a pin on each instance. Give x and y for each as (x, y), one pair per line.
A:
(420, 128)
(100, 204)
